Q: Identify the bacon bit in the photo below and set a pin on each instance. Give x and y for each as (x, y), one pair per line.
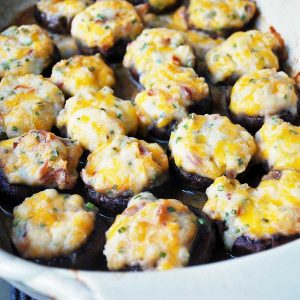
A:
(195, 159)
(176, 60)
(273, 175)
(30, 51)
(151, 92)
(231, 174)
(239, 211)
(143, 150)
(60, 85)
(21, 86)
(132, 210)
(229, 195)
(188, 91)
(162, 214)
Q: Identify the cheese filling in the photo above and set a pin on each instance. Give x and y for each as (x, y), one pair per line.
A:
(273, 208)
(167, 76)
(242, 53)
(82, 72)
(27, 49)
(278, 144)
(158, 46)
(28, 102)
(124, 165)
(263, 92)
(95, 117)
(211, 146)
(215, 15)
(49, 224)
(40, 158)
(151, 233)
(55, 9)
(105, 22)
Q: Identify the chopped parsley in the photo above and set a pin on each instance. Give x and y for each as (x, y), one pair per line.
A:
(178, 139)
(162, 254)
(122, 229)
(91, 207)
(171, 209)
(15, 129)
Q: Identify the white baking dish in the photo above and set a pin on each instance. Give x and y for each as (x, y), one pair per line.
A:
(273, 274)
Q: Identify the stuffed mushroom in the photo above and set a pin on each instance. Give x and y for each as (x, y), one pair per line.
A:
(171, 92)
(158, 234)
(58, 230)
(254, 219)
(219, 16)
(156, 47)
(260, 94)
(94, 117)
(119, 169)
(206, 147)
(28, 102)
(57, 15)
(278, 145)
(242, 53)
(27, 49)
(80, 72)
(36, 160)
(106, 27)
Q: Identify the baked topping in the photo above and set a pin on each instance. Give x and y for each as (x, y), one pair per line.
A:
(278, 144)
(216, 15)
(49, 224)
(270, 209)
(106, 22)
(27, 49)
(262, 93)
(95, 117)
(167, 76)
(124, 165)
(82, 72)
(151, 233)
(155, 47)
(242, 53)
(40, 158)
(211, 146)
(28, 102)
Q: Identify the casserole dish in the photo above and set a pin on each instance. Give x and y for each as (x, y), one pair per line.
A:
(277, 269)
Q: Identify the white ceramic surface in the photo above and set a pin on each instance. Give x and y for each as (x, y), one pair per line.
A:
(273, 274)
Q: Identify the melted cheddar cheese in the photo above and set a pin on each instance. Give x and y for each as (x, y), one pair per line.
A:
(40, 158)
(124, 165)
(82, 72)
(105, 22)
(242, 53)
(167, 76)
(56, 9)
(158, 46)
(49, 224)
(278, 144)
(263, 92)
(216, 15)
(152, 234)
(211, 146)
(28, 102)
(160, 107)
(270, 209)
(27, 49)
(96, 116)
